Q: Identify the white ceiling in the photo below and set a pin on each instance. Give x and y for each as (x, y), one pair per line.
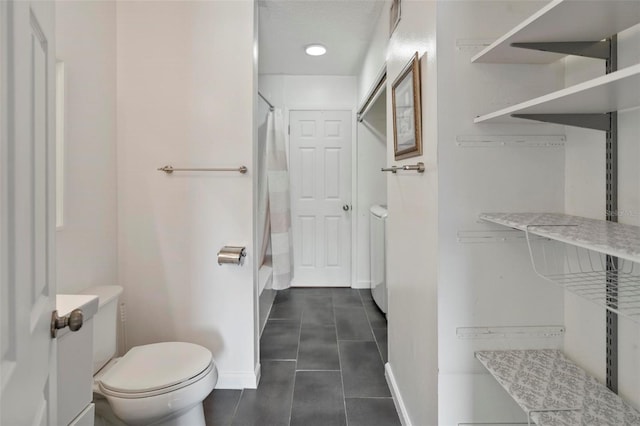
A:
(343, 26)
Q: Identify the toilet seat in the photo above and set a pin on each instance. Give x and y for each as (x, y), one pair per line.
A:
(156, 369)
(107, 392)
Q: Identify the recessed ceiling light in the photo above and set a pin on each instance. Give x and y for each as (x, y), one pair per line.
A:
(315, 50)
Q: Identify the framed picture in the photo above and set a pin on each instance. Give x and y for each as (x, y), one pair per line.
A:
(394, 16)
(407, 135)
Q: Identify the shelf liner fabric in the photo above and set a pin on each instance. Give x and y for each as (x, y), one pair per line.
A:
(599, 235)
(547, 380)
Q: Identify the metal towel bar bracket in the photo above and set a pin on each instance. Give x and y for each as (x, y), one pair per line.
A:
(419, 167)
(170, 169)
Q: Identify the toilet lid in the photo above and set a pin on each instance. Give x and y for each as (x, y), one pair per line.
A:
(156, 366)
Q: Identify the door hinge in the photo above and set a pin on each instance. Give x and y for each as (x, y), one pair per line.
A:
(289, 129)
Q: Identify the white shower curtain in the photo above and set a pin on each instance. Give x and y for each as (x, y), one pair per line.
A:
(278, 211)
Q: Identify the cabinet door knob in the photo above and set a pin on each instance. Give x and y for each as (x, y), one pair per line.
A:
(74, 321)
(346, 207)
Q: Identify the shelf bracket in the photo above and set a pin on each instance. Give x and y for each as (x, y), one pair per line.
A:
(587, 121)
(587, 49)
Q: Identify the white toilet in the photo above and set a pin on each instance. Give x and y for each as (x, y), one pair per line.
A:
(161, 384)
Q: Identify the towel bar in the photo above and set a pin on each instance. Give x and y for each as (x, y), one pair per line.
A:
(170, 169)
(419, 167)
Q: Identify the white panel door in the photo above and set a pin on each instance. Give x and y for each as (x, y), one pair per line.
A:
(27, 210)
(320, 157)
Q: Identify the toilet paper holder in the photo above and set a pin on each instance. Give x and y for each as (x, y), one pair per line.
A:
(233, 255)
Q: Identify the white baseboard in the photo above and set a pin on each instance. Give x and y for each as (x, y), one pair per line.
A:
(265, 278)
(397, 397)
(257, 372)
(362, 284)
(239, 379)
(265, 299)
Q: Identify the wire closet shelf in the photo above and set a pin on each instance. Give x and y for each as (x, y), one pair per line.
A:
(612, 283)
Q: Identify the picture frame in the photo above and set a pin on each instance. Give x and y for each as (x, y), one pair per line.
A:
(394, 16)
(407, 111)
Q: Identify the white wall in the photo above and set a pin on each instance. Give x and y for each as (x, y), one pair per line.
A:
(376, 55)
(372, 143)
(186, 97)
(629, 213)
(308, 91)
(488, 284)
(585, 178)
(86, 247)
(412, 229)
(371, 182)
(585, 189)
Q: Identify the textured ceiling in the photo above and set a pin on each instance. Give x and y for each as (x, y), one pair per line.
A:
(343, 26)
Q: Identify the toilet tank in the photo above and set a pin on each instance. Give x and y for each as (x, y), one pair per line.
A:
(105, 324)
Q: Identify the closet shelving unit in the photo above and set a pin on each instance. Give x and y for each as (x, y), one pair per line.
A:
(552, 390)
(578, 263)
(578, 27)
(585, 105)
(569, 27)
(599, 260)
(609, 238)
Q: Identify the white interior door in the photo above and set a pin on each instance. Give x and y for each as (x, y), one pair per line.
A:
(27, 206)
(320, 164)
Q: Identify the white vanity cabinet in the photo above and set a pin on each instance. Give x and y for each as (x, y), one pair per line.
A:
(75, 362)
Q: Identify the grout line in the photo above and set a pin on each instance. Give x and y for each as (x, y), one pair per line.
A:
(299, 337)
(378, 346)
(316, 370)
(375, 339)
(344, 394)
(370, 397)
(295, 373)
(293, 394)
(235, 409)
(279, 359)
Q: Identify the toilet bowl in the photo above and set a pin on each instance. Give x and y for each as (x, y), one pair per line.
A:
(160, 384)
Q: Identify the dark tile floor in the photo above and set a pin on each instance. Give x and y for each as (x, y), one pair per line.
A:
(322, 353)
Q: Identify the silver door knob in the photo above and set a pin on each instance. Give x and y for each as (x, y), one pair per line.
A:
(74, 321)
(346, 207)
